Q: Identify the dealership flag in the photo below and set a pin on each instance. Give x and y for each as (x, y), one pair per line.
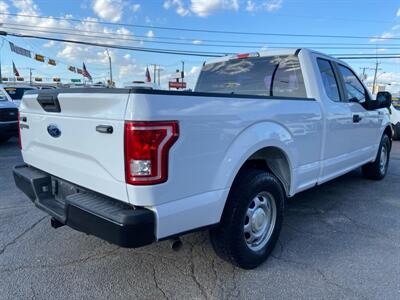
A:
(85, 72)
(72, 69)
(16, 73)
(148, 77)
(39, 57)
(52, 62)
(19, 50)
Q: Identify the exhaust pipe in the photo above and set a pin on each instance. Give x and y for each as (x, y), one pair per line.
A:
(55, 223)
(176, 244)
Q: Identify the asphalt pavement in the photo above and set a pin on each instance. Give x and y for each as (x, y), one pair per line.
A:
(339, 240)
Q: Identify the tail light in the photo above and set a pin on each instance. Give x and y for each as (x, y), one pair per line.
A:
(147, 146)
(19, 132)
(245, 55)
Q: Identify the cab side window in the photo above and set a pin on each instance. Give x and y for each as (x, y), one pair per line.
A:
(288, 80)
(354, 90)
(329, 79)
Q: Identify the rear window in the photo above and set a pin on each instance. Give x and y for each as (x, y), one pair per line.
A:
(261, 76)
(16, 93)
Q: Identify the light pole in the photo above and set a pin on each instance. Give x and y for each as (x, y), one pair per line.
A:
(110, 66)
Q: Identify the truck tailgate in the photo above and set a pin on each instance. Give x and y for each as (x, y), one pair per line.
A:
(69, 143)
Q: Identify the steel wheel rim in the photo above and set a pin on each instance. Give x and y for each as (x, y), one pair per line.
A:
(259, 221)
(383, 159)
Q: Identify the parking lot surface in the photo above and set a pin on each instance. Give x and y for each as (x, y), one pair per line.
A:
(339, 240)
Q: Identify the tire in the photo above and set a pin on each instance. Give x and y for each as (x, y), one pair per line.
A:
(4, 139)
(377, 170)
(252, 192)
(396, 134)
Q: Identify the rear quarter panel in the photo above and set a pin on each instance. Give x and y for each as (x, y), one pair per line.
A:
(218, 134)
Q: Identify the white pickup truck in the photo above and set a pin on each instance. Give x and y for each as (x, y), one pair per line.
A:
(136, 166)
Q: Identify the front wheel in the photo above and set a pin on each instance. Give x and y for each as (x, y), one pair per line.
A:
(378, 169)
(251, 220)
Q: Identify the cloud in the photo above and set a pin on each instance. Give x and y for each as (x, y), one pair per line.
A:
(3, 9)
(49, 44)
(178, 5)
(204, 8)
(269, 5)
(110, 10)
(250, 6)
(398, 13)
(197, 42)
(384, 36)
(27, 7)
(273, 5)
(150, 34)
(135, 7)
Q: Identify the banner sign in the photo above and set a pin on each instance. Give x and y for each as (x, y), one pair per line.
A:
(20, 50)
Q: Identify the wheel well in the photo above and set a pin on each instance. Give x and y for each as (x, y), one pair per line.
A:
(274, 160)
(389, 132)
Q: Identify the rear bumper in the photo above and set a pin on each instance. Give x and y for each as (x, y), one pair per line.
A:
(86, 211)
(8, 128)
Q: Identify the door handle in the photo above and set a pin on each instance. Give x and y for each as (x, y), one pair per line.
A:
(105, 129)
(356, 118)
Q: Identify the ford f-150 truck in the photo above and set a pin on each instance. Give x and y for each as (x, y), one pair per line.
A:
(136, 166)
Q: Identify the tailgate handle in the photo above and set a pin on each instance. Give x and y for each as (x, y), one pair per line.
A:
(49, 103)
(105, 129)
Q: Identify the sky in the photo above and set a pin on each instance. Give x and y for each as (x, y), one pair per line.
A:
(115, 22)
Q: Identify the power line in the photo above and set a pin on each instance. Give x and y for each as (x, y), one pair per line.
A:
(63, 31)
(191, 44)
(141, 49)
(201, 30)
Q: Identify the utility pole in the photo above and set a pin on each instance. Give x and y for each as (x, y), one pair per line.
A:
(110, 66)
(183, 70)
(363, 74)
(30, 75)
(154, 73)
(375, 74)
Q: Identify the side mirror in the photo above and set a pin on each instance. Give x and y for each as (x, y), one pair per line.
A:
(384, 99)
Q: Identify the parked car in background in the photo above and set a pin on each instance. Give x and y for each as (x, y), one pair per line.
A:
(16, 92)
(395, 120)
(138, 84)
(8, 117)
(135, 166)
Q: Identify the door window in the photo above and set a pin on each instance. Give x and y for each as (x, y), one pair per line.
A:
(354, 90)
(328, 79)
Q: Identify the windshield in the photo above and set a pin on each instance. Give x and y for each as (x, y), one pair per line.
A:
(16, 93)
(262, 76)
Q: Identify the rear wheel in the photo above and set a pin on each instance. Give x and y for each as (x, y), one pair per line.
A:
(378, 169)
(251, 221)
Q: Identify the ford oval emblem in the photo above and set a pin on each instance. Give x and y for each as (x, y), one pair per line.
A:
(53, 130)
